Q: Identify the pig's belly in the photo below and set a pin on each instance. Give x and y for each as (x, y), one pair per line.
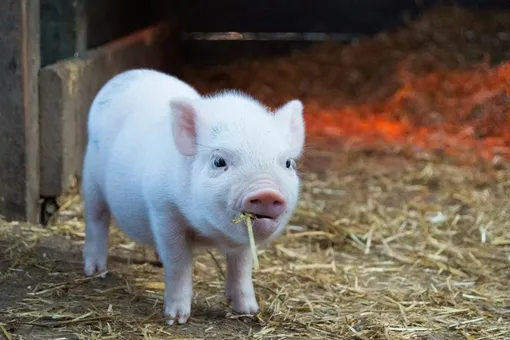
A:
(128, 209)
(126, 160)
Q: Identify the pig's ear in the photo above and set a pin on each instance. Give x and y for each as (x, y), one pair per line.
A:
(290, 116)
(184, 126)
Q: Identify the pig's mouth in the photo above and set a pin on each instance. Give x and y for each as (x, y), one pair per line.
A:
(263, 225)
(260, 217)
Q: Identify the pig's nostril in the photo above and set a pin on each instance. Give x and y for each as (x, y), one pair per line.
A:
(259, 202)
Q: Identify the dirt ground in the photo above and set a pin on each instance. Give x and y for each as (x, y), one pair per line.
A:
(402, 230)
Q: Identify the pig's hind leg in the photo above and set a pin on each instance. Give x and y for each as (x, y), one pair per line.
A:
(97, 221)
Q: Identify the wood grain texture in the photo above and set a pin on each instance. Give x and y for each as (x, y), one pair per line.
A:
(67, 90)
(19, 118)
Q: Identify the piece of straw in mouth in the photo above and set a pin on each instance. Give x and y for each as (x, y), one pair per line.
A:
(247, 218)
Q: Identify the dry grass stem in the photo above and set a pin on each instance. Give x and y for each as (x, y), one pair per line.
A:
(246, 218)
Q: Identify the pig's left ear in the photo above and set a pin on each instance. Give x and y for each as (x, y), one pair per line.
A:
(184, 117)
(291, 116)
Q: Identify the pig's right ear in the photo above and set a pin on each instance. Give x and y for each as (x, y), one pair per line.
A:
(184, 126)
(291, 116)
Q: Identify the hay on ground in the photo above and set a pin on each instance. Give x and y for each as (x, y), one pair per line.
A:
(379, 248)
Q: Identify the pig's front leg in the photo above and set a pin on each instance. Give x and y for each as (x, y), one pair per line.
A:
(239, 285)
(175, 252)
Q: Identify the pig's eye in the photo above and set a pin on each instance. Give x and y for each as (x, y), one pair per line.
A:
(290, 164)
(219, 162)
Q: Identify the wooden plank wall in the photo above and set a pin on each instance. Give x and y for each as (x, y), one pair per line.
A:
(19, 117)
(67, 89)
(84, 43)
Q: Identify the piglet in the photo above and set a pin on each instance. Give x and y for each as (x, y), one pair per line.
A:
(175, 168)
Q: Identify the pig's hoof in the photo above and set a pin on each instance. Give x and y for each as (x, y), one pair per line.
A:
(177, 310)
(95, 265)
(244, 304)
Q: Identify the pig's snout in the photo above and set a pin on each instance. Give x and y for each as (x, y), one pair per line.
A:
(265, 203)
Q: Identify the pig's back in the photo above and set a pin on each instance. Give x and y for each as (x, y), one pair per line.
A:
(141, 95)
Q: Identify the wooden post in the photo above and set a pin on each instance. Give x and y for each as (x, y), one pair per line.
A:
(19, 111)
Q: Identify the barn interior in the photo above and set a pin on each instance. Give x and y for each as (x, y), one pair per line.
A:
(402, 230)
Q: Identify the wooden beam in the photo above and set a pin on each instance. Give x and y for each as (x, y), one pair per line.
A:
(67, 90)
(19, 118)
